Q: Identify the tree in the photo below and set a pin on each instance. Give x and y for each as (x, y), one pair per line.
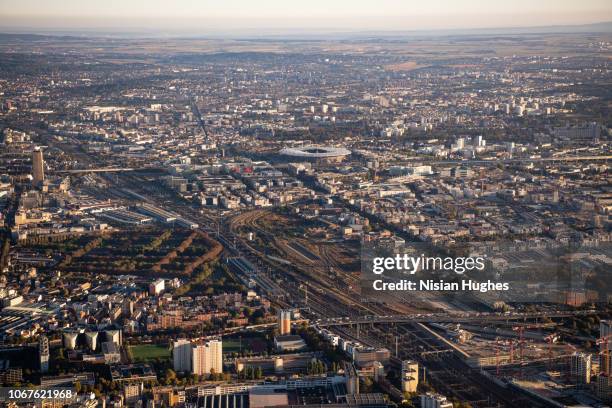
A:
(407, 404)
(170, 375)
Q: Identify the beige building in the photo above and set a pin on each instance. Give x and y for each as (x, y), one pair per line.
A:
(168, 396)
(207, 358)
(31, 217)
(132, 392)
(410, 376)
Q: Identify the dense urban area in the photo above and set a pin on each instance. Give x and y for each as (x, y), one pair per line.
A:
(183, 221)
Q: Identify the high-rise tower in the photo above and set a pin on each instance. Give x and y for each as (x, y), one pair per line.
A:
(43, 353)
(38, 164)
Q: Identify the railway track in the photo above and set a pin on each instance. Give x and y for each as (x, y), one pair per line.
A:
(320, 287)
(445, 371)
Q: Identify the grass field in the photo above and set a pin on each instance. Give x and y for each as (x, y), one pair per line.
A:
(255, 344)
(146, 352)
(231, 345)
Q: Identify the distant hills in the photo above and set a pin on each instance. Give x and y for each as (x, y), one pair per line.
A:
(35, 34)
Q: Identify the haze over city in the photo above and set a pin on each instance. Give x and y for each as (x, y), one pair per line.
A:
(274, 17)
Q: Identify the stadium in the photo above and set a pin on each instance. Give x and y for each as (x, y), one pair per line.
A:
(318, 154)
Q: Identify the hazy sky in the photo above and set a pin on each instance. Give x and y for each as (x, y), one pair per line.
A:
(210, 16)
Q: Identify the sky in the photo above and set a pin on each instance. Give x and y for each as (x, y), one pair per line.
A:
(223, 16)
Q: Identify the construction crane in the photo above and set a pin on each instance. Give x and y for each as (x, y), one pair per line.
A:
(498, 345)
(521, 341)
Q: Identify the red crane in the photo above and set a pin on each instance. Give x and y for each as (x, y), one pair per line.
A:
(497, 356)
(498, 345)
(521, 340)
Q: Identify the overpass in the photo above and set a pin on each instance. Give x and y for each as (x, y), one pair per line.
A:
(443, 318)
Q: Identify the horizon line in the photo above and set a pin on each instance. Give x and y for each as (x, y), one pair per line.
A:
(175, 33)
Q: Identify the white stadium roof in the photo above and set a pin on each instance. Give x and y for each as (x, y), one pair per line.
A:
(315, 152)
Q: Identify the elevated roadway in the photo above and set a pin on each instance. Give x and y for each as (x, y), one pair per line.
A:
(443, 317)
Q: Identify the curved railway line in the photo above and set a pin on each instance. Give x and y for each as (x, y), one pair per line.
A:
(323, 293)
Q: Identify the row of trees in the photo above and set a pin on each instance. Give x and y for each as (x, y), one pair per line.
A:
(170, 256)
(205, 272)
(156, 243)
(316, 366)
(251, 373)
(170, 377)
(82, 251)
(316, 342)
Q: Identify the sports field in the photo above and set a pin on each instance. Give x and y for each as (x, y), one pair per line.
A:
(146, 352)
